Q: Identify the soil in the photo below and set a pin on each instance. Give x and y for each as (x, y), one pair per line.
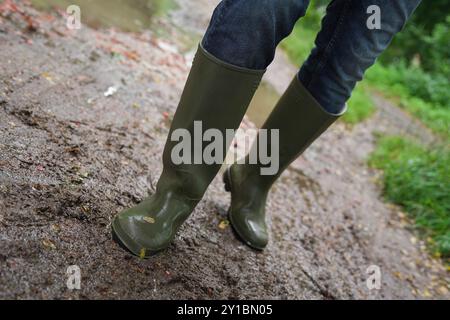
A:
(72, 157)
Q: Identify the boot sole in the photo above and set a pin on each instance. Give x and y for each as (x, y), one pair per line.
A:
(227, 184)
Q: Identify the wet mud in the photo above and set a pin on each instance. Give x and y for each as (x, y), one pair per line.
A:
(83, 120)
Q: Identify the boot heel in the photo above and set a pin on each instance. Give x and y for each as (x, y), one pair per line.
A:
(226, 180)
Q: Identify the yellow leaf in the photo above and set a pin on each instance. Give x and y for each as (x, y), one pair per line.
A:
(48, 244)
(142, 253)
(426, 294)
(224, 224)
(149, 219)
(47, 77)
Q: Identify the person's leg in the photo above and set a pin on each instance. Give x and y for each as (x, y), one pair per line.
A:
(345, 48)
(217, 93)
(247, 32)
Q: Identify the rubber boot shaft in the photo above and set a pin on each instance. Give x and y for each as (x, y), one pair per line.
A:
(300, 120)
(216, 94)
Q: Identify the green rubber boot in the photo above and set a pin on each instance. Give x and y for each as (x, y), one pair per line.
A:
(217, 94)
(300, 120)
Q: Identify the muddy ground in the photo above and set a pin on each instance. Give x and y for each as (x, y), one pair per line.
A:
(71, 158)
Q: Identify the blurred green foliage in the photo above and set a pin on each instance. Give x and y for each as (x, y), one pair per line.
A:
(299, 45)
(418, 179)
(416, 91)
(425, 37)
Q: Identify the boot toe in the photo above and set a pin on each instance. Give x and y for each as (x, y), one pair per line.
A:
(139, 236)
(252, 232)
(257, 236)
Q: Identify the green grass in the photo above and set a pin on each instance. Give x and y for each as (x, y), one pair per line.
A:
(395, 82)
(298, 46)
(418, 179)
(360, 105)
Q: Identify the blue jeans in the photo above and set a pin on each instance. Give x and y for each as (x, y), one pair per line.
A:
(246, 33)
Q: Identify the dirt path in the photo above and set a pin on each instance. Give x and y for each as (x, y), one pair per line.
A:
(71, 158)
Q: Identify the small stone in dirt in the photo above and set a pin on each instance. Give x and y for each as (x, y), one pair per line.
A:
(110, 91)
(443, 290)
(94, 56)
(84, 174)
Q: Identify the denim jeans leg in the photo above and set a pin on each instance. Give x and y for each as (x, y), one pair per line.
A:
(345, 47)
(246, 33)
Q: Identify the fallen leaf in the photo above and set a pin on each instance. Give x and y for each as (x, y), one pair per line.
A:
(149, 219)
(48, 244)
(142, 253)
(401, 215)
(132, 55)
(224, 224)
(167, 47)
(47, 77)
(426, 293)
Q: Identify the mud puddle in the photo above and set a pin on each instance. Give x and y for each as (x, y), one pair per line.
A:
(126, 15)
(262, 104)
(141, 15)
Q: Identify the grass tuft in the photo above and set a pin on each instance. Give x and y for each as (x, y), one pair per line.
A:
(418, 179)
